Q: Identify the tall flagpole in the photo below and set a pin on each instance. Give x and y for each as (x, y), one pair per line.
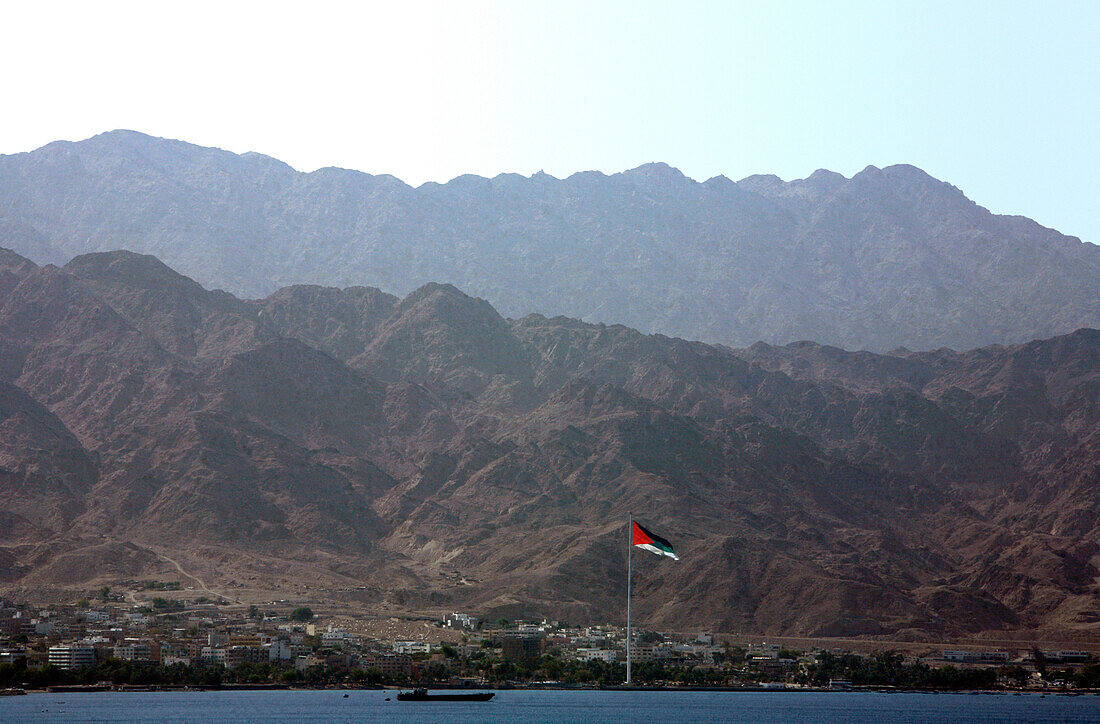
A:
(629, 553)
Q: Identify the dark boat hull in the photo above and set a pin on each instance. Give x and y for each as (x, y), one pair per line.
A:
(446, 697)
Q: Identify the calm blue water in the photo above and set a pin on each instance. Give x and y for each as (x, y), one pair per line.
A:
(549, 707)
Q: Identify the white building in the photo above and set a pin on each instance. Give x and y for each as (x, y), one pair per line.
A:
(976, 657)
(72, 656)
(170, 659)
(698, 650)
(607, 655)
(336, 637)
(460, 620)
(1071, 657)
(12, 656)
(412, 647)
(646, 652)
(237, 655)
(134, 650)
(279, 650)
(212, 655)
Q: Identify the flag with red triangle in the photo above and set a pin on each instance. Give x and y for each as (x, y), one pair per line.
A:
(653, 542)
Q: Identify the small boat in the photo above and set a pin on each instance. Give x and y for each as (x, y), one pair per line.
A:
(423, 695)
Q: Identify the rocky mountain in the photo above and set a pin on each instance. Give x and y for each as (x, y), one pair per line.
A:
(890, 257)
(427, 452)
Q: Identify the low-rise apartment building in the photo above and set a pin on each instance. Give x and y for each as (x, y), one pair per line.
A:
(72, 656)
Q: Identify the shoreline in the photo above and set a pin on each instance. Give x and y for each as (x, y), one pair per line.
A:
(108, 688)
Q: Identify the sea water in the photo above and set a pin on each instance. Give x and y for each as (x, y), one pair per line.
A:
(548, 707)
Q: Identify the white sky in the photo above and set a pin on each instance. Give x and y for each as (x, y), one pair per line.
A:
(999, 98)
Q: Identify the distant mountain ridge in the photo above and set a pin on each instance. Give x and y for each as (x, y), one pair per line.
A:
(423, 454)
(890, 257)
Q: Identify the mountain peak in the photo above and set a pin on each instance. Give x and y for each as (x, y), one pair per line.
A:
(823, 178)
(657, 172)
(12, 262)
(130, 268)
(911, 175)
(123, 138)
(439, 333)
(435, 291)
(763, 183)
(125, 135)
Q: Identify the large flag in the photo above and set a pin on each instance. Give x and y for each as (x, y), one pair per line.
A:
(653, 542)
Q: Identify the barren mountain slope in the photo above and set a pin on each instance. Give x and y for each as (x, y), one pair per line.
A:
(427, 452)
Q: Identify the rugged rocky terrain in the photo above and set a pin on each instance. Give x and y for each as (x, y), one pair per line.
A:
(426, 452)
(890, 257)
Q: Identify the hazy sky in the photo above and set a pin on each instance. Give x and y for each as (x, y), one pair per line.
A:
(998, 98)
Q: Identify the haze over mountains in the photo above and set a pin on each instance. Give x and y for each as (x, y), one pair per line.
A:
(888, 258)
(426, 452)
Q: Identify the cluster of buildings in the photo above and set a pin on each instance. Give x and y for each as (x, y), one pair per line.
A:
(1029, 657)
(608, 644)
(74, 637)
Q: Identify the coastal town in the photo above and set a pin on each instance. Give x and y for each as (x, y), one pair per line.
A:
(113, 641)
